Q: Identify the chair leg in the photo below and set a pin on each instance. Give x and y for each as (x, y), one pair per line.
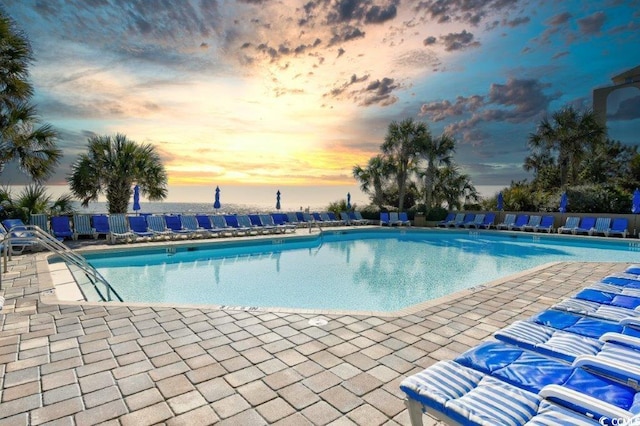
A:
(415, 411)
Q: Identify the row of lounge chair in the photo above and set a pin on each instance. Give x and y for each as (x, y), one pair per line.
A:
(394, 219)
(544, 223)
(119, 227)
(577, 363)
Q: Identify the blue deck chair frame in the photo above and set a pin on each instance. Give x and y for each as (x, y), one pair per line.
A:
(586, 225)
(619, 227)
(61, 227)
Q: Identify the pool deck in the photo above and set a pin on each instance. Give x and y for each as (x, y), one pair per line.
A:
(75, 364)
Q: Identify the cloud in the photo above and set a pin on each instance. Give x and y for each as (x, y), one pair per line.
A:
(517, 21)
(516, 101)
(466, 11)
(592, 24)
(560, 55)
(379, 92)
(430, 40)
(458, 41)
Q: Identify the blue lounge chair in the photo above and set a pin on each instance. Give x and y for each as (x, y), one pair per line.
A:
(569, 226)
(459, 218)
(190, 223)
(204, 222)
(100, 224)
(293, 219)
(279, 220)
(586, 225)
(404, 219)
(138, 225)
(509, 220)
(499, 384)
(384, 219)
(119, 229)
(158, 227)
(477, 221)
(61, 227)
(546, 224)
(82, 226)
(333, 217)
(521, 220)
(233, 221)
(20, 237)
(443, 223)
(358, 216)
(256, 222)
(174, 224)
(394, 219)
(41, 221)
(488, 222)
(244, 222)
(468, 218)
(267, 221)
(219, 222)
(534, 221)
(602, 226)
(620, 226)
(324, 216)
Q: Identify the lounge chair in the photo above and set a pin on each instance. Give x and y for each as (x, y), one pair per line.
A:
(204, 222)
(219, 223)
(190, 223)
(586, 225)
(138, 225)
(293, 219)
(41, 221)
(620, 226)
(477, 221)
(346, 219)
(267, 221)
(602, 226)
(280, 220)
(358, 216)
(509, 220)
(82, 226)
(324, 216)
(333, 217)
(61, 227)
(174, 224)
(244, 222)
(499, 384)
(488, 222)
(234, 221)
(357, 219)
(158, 227)
(545, 225)
(21, 238)
(394, 219)
(521, 221)
(569, 226)
(534, 221)
(459, 218)
(384, 219)
(444, 222)
(468, 218)
(304, 219)
(404, 219)
(119, 229)
(100, 223)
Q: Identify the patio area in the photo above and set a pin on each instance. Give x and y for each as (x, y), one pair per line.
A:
(139, 365)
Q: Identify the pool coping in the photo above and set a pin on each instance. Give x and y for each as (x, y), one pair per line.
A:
(53, 283)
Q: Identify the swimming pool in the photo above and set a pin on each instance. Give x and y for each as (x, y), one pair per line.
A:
(361, 270)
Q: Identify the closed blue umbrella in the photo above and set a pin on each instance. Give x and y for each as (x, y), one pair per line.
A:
(348, 201)
(136, 198)
(278, 200)
(500, 202)
(635, 202)
(563, 203)
(216, 202)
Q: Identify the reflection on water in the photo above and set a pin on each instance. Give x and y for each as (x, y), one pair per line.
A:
(374, 271)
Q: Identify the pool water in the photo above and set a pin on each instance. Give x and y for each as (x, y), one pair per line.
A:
(360, 270)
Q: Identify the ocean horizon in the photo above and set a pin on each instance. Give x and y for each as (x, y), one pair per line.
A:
(239, 198)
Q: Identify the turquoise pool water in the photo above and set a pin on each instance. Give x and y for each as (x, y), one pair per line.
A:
(356, 270)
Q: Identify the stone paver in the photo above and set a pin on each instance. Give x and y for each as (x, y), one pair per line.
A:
(86, 364)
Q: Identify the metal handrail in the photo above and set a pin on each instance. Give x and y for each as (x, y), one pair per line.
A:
(36, 234)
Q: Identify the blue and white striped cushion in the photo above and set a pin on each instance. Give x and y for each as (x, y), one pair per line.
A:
(554, 415)
(537, 336)
(494, 402)
(620, 353)
(443, 381)
(595, 309)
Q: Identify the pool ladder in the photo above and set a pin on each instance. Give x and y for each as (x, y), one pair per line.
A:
(46, 240)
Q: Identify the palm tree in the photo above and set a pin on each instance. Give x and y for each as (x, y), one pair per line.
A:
(453, 187)
(402, 146)
(373, 177)
(569, 135)
(113, 165)
(22, 138)
(437, 153)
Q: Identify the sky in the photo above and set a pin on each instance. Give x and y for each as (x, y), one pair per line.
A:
(268, 93)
